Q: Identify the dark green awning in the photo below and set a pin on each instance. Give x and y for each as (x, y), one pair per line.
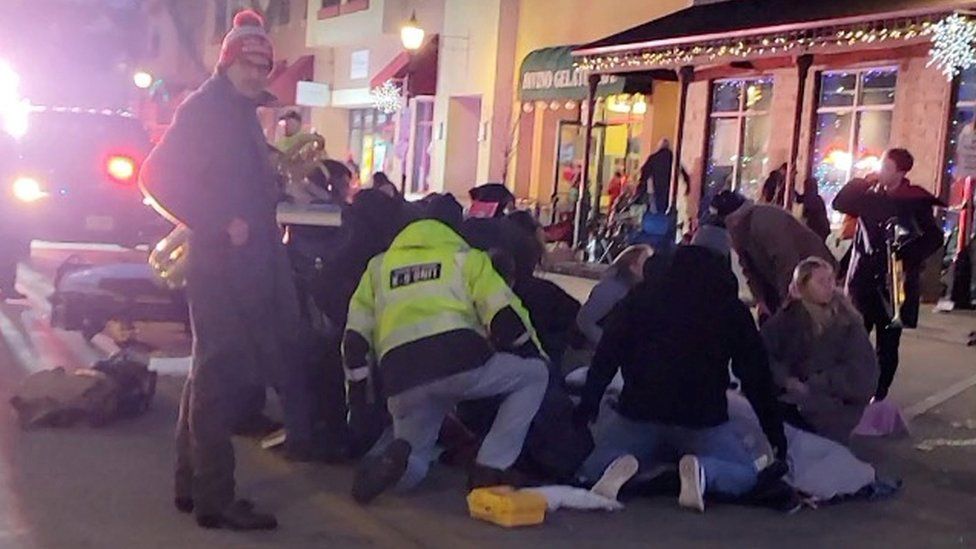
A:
(548, 74)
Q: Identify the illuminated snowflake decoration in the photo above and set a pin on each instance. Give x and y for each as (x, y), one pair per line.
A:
(953, 45)
(387, 97)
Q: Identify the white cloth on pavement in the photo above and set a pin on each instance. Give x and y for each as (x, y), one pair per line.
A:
(569, 497)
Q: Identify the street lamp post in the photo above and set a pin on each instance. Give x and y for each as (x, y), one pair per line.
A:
(412, 38)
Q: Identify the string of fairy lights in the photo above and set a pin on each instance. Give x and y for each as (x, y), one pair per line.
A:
(953, 38)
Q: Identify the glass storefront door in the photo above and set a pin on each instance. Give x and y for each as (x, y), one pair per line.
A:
(570, 151)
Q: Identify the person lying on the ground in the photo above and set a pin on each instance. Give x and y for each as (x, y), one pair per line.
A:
(421, 313)
(555, 446)
(820, 355)
(673, 339)
(624, 274)
(770, 242)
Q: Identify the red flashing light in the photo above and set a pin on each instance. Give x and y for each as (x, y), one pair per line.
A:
(121, 168)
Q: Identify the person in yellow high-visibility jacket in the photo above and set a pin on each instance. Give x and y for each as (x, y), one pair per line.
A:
(442, 327)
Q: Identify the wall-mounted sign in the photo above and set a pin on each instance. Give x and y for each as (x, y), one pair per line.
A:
(549, 74)
(359, 65)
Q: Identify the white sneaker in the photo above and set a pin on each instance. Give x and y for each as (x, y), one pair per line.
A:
(692, 484)
(615, 476)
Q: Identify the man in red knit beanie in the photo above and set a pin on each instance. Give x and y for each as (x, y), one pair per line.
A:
(211, 172)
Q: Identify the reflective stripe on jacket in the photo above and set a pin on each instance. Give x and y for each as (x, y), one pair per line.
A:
(425, 309)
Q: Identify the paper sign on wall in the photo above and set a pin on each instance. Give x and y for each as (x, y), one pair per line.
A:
(359, 65)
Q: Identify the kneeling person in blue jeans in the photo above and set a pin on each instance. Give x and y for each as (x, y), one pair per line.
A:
(425, 310)
(673, 338)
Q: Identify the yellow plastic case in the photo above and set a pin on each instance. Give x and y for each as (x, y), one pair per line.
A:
(507, 507)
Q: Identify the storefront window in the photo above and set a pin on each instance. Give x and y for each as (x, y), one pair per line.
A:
(371, 140)
(739, 134)
(963, 128)
(963, 118)
(854, 116)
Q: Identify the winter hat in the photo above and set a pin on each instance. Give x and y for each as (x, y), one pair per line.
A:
(247, 38)
(714, 238)
(727, 202)
(446, 209)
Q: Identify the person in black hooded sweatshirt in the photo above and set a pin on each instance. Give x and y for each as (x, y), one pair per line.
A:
(673, 338)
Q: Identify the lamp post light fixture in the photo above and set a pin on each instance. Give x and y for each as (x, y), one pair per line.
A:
(411, 35)
(142, 79)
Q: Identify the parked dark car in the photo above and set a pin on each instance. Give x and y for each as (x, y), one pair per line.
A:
(74, 179)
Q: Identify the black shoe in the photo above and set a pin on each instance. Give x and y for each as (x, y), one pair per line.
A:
(377, 474)
(240, 515)
(185, 505)
(480, 476)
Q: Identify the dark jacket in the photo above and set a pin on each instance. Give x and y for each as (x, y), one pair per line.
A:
(673, 341)
(656, 172)
(770, 243)
(773, 188)
(212, 166)
(912, 207)
(815, 214)
(552, 310)
(838, 365)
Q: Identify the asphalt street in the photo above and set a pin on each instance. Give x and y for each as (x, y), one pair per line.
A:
(111, 487)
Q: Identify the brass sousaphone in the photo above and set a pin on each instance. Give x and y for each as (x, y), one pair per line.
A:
(168, 258)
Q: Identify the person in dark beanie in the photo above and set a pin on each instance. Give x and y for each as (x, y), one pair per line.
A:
(814, 209)
(211, 173)
(770, 243)
(877, 202)
(446, 209)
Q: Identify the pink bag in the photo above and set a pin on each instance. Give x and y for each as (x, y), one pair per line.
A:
(881, 419)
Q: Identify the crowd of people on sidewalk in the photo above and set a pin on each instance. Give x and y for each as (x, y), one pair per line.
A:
(439, 341)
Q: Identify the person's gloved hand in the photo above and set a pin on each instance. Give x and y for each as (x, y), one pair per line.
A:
(775, 470)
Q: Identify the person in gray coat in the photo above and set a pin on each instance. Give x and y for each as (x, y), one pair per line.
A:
(626, 272)
(211, 172)
(820, 355)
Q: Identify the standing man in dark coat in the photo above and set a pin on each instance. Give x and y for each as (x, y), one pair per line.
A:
(211, 172)
(656, 174)
(877, 201)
